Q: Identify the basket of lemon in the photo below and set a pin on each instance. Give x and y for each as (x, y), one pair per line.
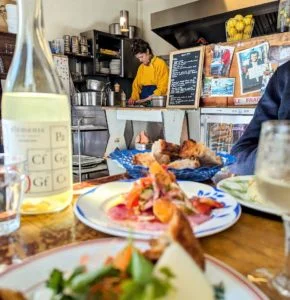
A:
(239, 28)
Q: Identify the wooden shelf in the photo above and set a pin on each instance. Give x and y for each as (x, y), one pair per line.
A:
(79, 56)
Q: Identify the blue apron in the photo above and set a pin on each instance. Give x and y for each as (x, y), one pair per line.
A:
(147, 90)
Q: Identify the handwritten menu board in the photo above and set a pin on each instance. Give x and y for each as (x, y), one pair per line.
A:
(185, 79)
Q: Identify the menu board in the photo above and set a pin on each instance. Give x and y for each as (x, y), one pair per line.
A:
(185, 78)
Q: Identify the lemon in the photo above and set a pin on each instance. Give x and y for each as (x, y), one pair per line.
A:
(248, 29)
(231, 23)
(232, 31)
(248, 21)
(246, 36)
(240, 26)
(238, 36)
(239, 18)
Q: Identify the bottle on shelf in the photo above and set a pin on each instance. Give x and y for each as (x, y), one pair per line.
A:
(36, 116)
(123, 99)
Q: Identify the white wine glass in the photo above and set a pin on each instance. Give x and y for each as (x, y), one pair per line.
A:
(273, 183)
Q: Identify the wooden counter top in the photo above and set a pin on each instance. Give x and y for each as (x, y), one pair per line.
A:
(255, 241)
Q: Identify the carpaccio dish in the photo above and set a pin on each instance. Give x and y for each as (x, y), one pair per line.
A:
(151, 202)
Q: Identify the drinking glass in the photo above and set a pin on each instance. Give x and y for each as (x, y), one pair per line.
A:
(273, 183)
(12, 180)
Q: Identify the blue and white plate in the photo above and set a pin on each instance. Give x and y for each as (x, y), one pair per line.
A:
(125, 157)
(91, 209)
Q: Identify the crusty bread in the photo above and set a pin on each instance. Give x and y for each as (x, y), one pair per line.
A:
(143, 159)
(185, 163)
(180, 231)
(163, 147)
(206, 156)
(188, 149)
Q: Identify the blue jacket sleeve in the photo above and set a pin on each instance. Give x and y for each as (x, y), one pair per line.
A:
(246, 148)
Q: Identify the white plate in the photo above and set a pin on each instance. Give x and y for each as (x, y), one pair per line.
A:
(67, 258)
(91, 208)
(237, 187)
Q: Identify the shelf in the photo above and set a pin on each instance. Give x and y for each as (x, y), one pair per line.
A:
(108, 56)
(106, 75)
(89, 128)
(79, 56)
(98, 168)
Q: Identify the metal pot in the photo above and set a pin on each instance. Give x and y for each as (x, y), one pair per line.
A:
(114, 28)
(133, 32)
(95, 85)
(159, 101)
(77, 99)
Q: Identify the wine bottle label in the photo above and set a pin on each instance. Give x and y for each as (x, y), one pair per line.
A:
(46, 148)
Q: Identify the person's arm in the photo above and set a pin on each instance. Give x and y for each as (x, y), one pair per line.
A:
(162, 78)
(136, 87)
(245, 149)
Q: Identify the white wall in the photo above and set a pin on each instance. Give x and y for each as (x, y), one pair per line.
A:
(74, 16)
(146, 7)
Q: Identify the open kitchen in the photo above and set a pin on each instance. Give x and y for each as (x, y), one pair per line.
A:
(144, 149)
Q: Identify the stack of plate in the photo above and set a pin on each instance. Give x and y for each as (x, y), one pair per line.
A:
(115, 66)
(104, 67)
(87, 162)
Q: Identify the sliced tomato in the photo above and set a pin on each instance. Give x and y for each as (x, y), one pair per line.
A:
(211, 202)
(205, 205)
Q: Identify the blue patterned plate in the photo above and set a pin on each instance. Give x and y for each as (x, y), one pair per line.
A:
(91, 209)
(124, 157)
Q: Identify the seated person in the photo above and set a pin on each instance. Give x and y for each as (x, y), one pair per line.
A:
(273, 105)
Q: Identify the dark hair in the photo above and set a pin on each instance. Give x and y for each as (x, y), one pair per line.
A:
(254, 52)
(140, 46)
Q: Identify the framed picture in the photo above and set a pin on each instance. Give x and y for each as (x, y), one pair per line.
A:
(222, 87)
(253, 63)
(221, 61)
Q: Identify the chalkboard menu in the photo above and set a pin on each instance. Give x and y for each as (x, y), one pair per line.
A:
(185, 79)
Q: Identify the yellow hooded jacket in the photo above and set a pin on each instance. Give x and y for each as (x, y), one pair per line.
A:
(156, 73)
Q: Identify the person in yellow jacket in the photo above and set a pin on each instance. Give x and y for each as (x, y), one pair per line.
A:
(152, 75)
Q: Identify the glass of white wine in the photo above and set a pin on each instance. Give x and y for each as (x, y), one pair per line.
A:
(273, 183)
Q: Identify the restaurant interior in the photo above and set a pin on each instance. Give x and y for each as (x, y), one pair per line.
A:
(144, 149)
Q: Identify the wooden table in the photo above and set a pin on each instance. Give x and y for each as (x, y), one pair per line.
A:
(255, 241)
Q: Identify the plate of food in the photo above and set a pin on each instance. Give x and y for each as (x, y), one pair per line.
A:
(190, 161)
(171, 268)
(244, 189)
(143, 208)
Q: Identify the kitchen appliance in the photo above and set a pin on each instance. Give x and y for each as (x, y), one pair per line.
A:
(220, 128)
(193, 20)
(158, 101)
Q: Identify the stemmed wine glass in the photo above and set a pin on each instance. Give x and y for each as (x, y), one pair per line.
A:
(273, 183)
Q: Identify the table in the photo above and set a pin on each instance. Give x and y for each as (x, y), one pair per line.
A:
(254, 241)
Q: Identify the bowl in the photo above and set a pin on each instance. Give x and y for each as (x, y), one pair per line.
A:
(95, 85)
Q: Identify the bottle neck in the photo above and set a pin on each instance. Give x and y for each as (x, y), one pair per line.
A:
(32, 68)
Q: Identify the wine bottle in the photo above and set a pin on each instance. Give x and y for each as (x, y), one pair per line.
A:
(36, 116)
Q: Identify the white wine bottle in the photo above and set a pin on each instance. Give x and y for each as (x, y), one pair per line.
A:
(36, 116)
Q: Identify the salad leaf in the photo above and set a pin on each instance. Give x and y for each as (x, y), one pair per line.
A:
(77, 271)
(81, 283)
(56, 281)
(143, 285)
(219, 291)
(140, 268)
